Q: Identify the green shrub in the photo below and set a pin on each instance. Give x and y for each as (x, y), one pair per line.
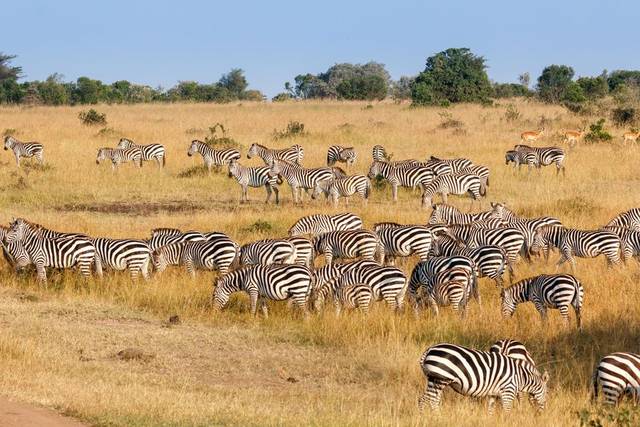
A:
(92, 118)
(292, 130)
(281, 97)
(597, 133)
(107, 133)
(220, 140)
(259, 227)
(624, 116)
(621, 416)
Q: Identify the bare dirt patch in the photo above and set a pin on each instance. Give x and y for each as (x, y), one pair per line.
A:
(13, 414)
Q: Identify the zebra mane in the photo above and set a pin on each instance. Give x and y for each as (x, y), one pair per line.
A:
(166, 231)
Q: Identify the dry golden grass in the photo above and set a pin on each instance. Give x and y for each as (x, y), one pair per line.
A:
(57, 345)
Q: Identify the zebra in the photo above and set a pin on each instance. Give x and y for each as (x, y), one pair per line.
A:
(329, 273)
(579, 243)
(347, 244)
(513, 349)
(14, 253)
(450, 287)
(453, 184)
(344, 187)
(124, 254)
(293, 154)
(211, 156)
(298, 177)
(557, 291)
(481, 171)
(379, 154)
(410, 176)
(166, 236)
(424, 273)
(149, 151)
(268, 251)
(254, 177)
(337, 153)
(56, 252)
(446, 214)
(616, 374)
(404, 241)
(217, 253)
(511, 240)
(356, 295)
(275, 282)
(120, 155)
(305, 254)
(629, 240)
(24, 149)
(519, 158)
(546, 156)
(477, 373)
(629, 219)
(455, 165)
(318, 224)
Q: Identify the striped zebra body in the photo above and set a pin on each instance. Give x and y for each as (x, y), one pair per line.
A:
(254, 177)
(344, 187)
(513, 349)
(298, 177)
(24, 149)
(149, 152)
(447, 214)
(14, 253)
(478, 374)
(357, 295)
(124, 254)
(315, 225)
(337, 153)
(119, 156)
(215, 254)
(268, 251)
(629, 240)
(293, 154)
(211, 156)
(453, 184)
(328, 273)
(167, 236)
(424, 274)
(450, 287)
(305, 253)
(379, 154)
(557, 291)
(347, 244)
(511, 240)
(546, 156)
(489, 223)
(616, 374)
(404, 241)
(409, 176)
(629, 219)
(266, 282)
(455, 165)
(481, 171)
(519, 158)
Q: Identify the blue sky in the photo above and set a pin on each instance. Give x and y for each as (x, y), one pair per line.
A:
(161, 42)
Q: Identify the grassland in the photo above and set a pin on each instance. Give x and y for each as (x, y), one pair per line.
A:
(58, 344)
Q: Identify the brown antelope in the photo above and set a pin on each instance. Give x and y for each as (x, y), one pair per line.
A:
(571, 137)
(531, 135)
(630, 136)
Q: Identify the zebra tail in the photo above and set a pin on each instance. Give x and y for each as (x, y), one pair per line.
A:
(594, 381)
(367, 189)
(483, 189)
(164, 160)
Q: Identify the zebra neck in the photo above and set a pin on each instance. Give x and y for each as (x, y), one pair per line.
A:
(520, 291)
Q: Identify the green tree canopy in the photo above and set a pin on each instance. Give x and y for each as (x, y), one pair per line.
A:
(554, 82)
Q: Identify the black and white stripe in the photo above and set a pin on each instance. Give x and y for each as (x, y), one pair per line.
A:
(268, 251)
(149, 152)
(481, 171)
(254, 177)
(450, 288)
(333, 189)
(519, 158)
(454, 165)
(124, 254)
(305, 253)
(458, 184)
(404, 241)
(166, 236)
(629, 219)
(509, 239)
(214, 254)
(447, 214)
(476, 373)
(338, 153)
(512, 348)
(266, 282)
(318, 224)
(293, 154)
(298, 177)
(556, 291)
(356, 295)
(424, 273)
(379, 154)
(546, 155)
(120, 155)
(14, 253)
(24, 149)
(347, 244)
(211, 156)
(629, 240)
(409, 175)
(617, 374)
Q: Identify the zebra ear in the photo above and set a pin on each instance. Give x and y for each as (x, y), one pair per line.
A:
(545, 376)
(433, 206)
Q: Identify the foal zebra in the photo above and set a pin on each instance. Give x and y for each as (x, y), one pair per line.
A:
(149, 152)
(211, 156)
(268, 251)
(293, 154)
(124, 254)
(344, 187)
(298, 177)
(546, 156)
(347, 244)
(120, 155)
(629, 219)
(254, 177)
(262, 282)
(559, 291)
(410, 176)
(219, 253)
(318, 224)
(519, 158)
(337, 153)
(453, 184)
(615, 374)
(404, 241)
(24, 149)
(479, 373)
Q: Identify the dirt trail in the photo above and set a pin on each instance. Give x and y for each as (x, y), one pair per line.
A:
(13, 414)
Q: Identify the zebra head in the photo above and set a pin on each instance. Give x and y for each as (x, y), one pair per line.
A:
(102, 155)
(159, 260)
(513, 295)
(253, 151)
(321, 186)
(124, 143)
(510, 156)
(16, 231)
(228, 284)
(233, 168)
(437, 214)
(194, 147)
(9, 141)
(542, 240)
(534, 384)
(375, 169)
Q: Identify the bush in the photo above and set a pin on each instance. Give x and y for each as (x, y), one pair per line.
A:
(194, 172)
(512, 114)
(292, 130)
(622, 416)
(624, 116)
(281, 97)
(554, 82)
(107, 133)
(597, 133)
(220, 140)
(92, 118)
(259, 227)
(9, 131)
(448, 122)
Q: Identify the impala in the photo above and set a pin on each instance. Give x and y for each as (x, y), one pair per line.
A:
(571, 137)
(630, 136)
(531, 135)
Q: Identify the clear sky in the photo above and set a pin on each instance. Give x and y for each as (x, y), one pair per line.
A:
(161, 42)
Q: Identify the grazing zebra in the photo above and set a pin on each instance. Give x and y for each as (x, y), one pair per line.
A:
(557, 291)
(166, 236)
(380, 154)
(479, 373)
(254, 177)
(268, 251)
(218, 253)
(318, 224)
(410, 176)
(511, 240)
(455, 165)
(519, 158)
(629, 219)
(579, 243)
(424, 274)
(629, 240)
(616, 374)
(305, 254)
(60, 252)
(481, 171)
(337, 153)
(450, 287)
(14, 253)
(211, 156)
(124, 254)
(453, 184)
(262, 282)
(149, 151)
(298, 177)
(347, 244)
(24, 149)
(293, 154)
(329, 273)
(119, 155)
(404, 241)
(447, 214)
(344, 187)
(546, 156)
(513, 349)
(356, 295)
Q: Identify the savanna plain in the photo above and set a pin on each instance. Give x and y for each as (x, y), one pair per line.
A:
(59, 343)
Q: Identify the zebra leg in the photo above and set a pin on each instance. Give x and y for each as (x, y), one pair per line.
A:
(394, 192)
(208, 164)
(275, 190)
(268, 188)
(263, 307)
(433, 305)
(42, 273)
(40, 157)
(294, 194)
(328, 256)
(133, 272)
(564, 312)
(144, 269)
(17, 156)
(253, 298)
(432, 394)
(191, 270)
(506, 398)
(578, 317)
